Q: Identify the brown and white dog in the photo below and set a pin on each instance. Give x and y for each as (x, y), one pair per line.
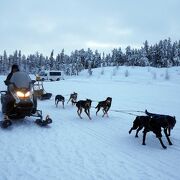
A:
(73, 98)
(105, 105)
(84, 104)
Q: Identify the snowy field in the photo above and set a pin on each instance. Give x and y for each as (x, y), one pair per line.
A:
(99, 149)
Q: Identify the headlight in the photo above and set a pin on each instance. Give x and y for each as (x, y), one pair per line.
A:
(27, 94)
(20, 94)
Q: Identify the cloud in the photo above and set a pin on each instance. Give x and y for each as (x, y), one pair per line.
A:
(108, 47)
(120, 31)
(42, 25)
(94, 44)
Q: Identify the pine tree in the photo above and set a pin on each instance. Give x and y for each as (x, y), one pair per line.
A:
(51, 59)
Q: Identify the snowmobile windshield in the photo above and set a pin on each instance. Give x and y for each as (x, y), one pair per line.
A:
(21, 80)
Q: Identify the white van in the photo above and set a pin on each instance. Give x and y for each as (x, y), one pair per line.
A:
(51, 75)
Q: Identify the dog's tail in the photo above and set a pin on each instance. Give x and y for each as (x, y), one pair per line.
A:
(148, 113)
(153, 114)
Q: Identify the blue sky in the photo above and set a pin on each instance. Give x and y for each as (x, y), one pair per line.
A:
(43, 25)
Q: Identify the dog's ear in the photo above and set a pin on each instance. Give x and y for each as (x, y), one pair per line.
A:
(89, 100)
(110, 98)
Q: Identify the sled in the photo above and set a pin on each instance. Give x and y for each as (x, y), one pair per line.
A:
(39, 91)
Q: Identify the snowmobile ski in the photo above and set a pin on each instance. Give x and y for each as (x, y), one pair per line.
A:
(5, 123)
(45, 122)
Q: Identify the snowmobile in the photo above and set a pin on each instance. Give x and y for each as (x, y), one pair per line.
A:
(19, 101)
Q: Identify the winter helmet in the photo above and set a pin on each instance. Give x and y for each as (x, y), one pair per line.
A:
(15, 67)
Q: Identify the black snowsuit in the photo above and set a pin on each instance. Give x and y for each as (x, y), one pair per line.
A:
(11, 73)
(8, 100)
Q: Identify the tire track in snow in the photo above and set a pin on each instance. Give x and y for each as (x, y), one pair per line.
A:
(106, 140)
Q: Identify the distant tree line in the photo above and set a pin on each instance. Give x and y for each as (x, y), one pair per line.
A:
(162, 54)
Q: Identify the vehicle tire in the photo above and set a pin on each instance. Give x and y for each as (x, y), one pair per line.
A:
(57, 79)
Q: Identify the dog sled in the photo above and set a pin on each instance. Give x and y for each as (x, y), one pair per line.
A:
(39, 91)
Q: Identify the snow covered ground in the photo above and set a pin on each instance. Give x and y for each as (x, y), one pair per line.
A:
(99, 149)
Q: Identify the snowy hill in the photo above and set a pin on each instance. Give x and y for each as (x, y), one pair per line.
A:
(81, 149)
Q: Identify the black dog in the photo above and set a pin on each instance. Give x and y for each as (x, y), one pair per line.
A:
(59, 98)
(151, 124)
(86, 105)
(139, 123)
(73, 98)
(105, 105)
(171, 120)
(155, 126)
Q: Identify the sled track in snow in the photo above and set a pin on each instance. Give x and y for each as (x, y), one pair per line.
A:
(104, 139)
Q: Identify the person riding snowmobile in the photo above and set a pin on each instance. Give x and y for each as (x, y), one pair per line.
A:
(9, 99)
(14, 69)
